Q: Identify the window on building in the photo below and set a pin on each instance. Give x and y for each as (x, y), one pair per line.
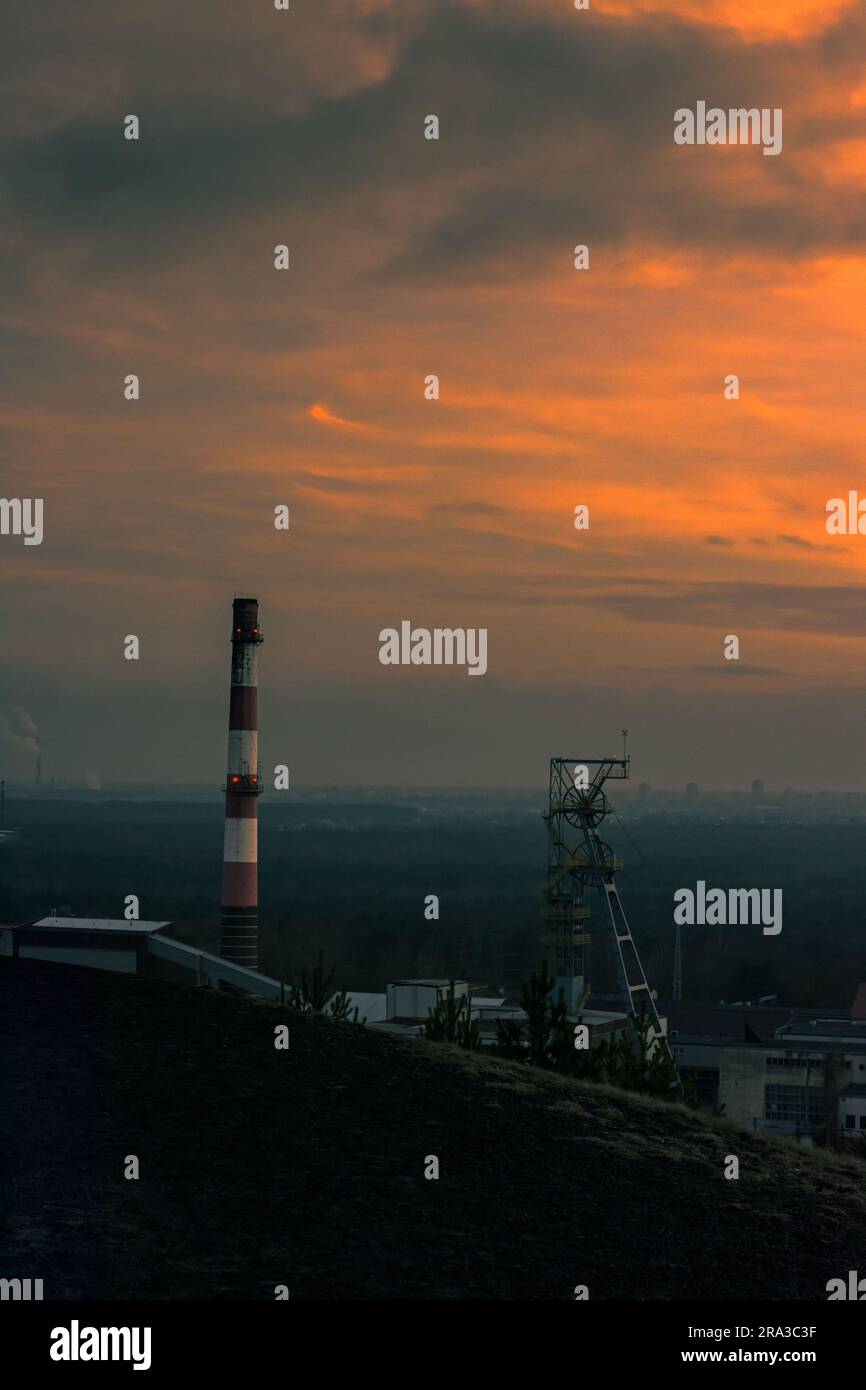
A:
(794, 1104)
(705, 1081)
(849, 1121)
(813, 1064)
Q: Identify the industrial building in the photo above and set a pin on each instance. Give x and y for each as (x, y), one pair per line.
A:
(786, 1071)
(105, 944)
(139, 948)
(406, 1005)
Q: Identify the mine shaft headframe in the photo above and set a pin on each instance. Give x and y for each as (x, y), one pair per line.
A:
(576, 785)
(598, 769)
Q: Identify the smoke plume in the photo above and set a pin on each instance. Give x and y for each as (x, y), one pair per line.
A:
(21, 732)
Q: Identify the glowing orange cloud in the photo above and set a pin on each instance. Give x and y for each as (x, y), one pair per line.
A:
(325, 417)
(754, 19)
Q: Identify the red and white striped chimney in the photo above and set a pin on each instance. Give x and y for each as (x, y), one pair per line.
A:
(239, 934)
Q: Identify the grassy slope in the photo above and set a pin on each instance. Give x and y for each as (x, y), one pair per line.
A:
(305, 1168)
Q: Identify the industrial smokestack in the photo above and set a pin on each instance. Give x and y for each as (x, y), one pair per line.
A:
(239, 935)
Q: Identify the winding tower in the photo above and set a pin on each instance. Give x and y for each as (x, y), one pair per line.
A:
(582, 875)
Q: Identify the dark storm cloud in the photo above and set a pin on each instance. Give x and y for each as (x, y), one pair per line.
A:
(589, 148)
(551, 133)
(838, 609)
(800, 543)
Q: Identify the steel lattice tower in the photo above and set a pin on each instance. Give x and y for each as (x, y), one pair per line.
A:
(580, 863)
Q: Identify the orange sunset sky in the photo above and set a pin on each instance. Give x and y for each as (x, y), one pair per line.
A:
(558, 387)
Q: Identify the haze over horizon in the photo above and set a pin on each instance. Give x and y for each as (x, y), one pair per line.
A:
(558, 387)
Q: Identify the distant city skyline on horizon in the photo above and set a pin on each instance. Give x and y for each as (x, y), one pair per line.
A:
(633, 791)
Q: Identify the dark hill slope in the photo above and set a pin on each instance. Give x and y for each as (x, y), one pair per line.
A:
(305, 1168)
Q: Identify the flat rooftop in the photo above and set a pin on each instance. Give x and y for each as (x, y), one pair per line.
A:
(854, 1046)
(433, 984)
(93, 924)
(824, 1028)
